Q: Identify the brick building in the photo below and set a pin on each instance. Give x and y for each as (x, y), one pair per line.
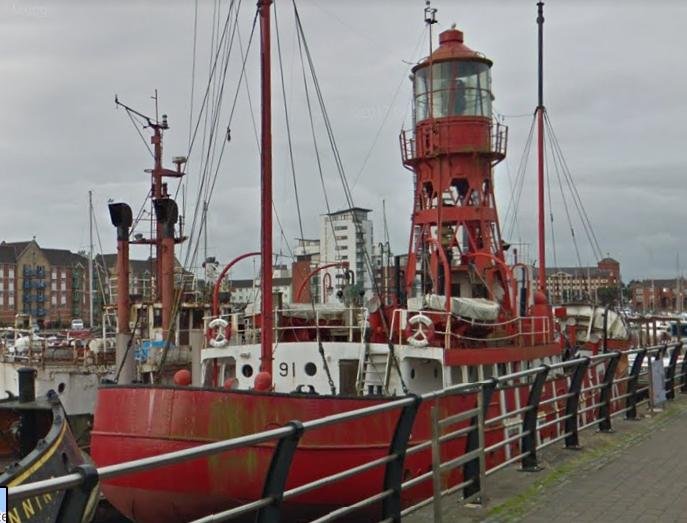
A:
(142, 285)
(48, 284)
(659, 295)
(566, 284)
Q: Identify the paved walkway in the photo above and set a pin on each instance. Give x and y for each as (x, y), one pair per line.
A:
(637, 474)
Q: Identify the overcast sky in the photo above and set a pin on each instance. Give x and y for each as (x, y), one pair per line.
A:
(614, 90)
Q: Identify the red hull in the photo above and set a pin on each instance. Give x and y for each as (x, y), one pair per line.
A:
(159, 419)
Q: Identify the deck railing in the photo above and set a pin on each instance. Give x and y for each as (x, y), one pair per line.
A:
(562, 400)
(519, 331)
(347, 324)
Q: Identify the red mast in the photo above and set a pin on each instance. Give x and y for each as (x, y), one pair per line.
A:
(540, 151)
(266, 192)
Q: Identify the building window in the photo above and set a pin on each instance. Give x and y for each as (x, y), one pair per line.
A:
(53, 286)
(10, 300)
(10, 274)
(64, 285)
(63, 299)
(53, 274)
(53, 299)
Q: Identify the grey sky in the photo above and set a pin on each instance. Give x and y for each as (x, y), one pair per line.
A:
(615, 84)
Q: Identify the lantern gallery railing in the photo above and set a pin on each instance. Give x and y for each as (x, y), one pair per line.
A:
(553, 404)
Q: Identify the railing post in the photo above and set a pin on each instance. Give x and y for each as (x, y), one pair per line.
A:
(393, 475)
(631, 401)
(436, 465)
(77, 500)
(277, 474)
(572, 440)
(683, 371)
(528, 442)
(670, 373)
(472, 470)
(606, 395)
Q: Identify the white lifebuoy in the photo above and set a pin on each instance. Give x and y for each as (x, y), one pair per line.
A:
(219, 333)
(423, 334)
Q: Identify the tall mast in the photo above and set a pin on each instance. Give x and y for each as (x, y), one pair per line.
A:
(540, 149)
(266, 189)
(90, 259)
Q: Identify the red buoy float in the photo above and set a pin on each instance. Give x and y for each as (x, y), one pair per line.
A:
(182, 378)
(263, 381)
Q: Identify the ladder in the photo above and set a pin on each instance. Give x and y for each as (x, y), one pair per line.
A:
(374, 371)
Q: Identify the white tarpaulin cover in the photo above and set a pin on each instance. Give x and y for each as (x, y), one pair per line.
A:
(583, 313)
(304, 311)
(478, 309)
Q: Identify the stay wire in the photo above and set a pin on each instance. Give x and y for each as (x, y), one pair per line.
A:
(347, 190)
(325, 364)
(558, 169)
(193, 69)
(318, 157)
(388, 111)
(133, 122)
(584, 217)
(548, 192)
(192, 254)
(514, 201)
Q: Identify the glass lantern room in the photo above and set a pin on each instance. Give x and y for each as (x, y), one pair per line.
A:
(459, 88)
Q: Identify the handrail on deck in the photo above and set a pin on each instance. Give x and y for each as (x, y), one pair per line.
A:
(567, 412)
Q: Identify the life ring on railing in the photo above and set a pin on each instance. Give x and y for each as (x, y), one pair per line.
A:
(219, 333)
(420, 330)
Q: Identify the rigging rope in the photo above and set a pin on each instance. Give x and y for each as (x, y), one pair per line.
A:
(584, 217)
(567, 210)
(133, 122)
(325, 364)
(548, 191)
(346, 188)
(514, 201)
(388, 110)
(193, 69)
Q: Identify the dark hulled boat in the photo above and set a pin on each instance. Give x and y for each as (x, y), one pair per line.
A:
(37, 443)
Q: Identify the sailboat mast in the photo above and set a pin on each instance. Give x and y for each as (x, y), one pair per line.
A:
(90, 259)
(266, 189)
(540, 150)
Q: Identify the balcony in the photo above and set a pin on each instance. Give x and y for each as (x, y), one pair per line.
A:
(454, 136)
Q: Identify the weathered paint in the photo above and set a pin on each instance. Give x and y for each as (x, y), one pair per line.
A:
(222, 481)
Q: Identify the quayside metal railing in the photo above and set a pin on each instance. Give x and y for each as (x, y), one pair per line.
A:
(583, 392)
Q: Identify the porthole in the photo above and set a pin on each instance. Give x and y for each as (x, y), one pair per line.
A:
(247, 371)
(310, 369)
(61, 387)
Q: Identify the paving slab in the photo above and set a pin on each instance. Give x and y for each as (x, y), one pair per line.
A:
(637, 473)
